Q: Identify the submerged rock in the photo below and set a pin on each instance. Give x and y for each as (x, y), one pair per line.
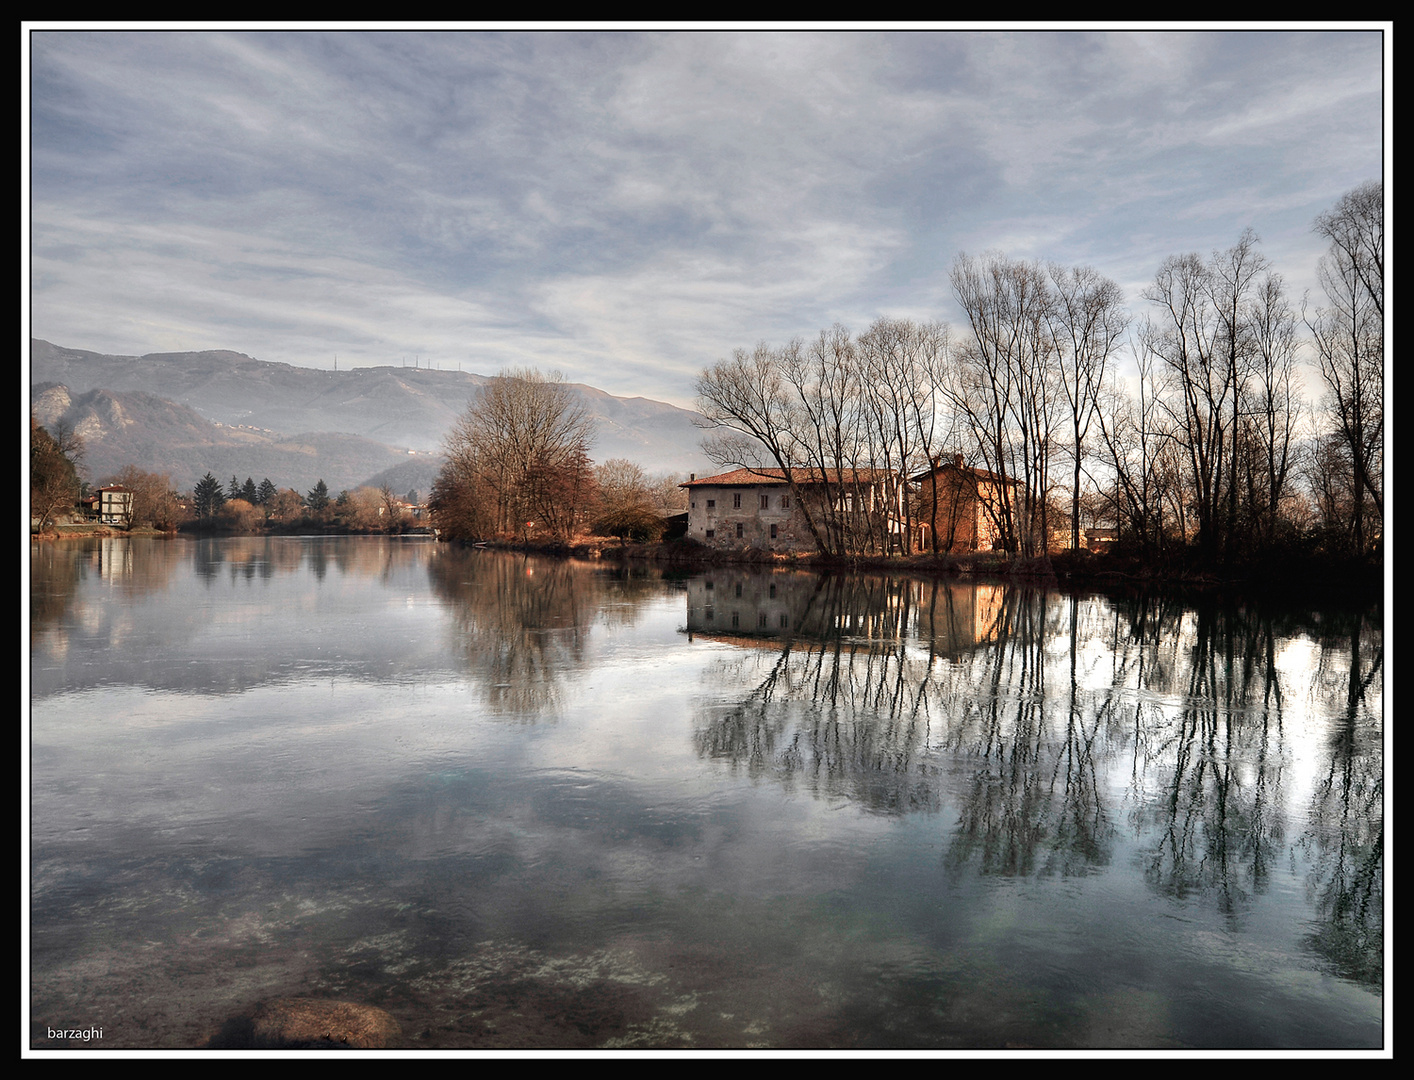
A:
(309, 1024)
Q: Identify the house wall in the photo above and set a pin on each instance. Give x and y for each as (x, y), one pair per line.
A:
(955, 497)
(115, 507)
(963, 521)
(715, 512)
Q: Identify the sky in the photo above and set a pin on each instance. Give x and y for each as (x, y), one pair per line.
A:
(627, 207)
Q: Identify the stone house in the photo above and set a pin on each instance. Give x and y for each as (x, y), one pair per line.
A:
(759, 508)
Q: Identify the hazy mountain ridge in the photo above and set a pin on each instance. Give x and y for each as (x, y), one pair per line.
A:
(132, 428)
(225, 412)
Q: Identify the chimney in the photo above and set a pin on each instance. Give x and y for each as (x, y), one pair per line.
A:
(691, 477)
(958, 461)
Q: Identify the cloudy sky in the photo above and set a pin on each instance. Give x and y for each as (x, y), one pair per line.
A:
(628, 207)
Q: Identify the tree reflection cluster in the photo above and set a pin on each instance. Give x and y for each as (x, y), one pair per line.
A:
(523, 622)
(1201, 743)
(169, 587)
(1061, 730)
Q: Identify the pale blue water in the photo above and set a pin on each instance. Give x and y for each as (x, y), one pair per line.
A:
(528, 803)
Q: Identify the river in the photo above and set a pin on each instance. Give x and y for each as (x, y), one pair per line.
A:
(527, 803)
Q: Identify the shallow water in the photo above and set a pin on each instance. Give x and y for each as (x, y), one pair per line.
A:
(528, 803)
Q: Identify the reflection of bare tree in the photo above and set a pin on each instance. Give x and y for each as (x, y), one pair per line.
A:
(1218, 812)
(897, 672)
(1035, 803)
(847, 719)
(1344, 836)
(143, 565)
(524, 622)
(840, 700)
(54, 577)
(1015, 706)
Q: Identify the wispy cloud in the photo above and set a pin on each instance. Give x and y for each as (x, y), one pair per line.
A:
(628, 207)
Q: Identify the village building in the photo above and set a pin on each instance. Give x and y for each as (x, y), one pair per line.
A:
(853, 509)
(114, 505)
(963, 506)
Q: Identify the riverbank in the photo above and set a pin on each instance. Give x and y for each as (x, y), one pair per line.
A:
(92, 530)
(1066, 568)
(89, 530)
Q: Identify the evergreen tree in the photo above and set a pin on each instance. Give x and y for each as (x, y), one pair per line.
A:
(248, 492)
(318, 499)
(265, 492)
(233, 490)
(208, 497)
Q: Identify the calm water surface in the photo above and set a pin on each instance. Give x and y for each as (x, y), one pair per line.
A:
(528, 803)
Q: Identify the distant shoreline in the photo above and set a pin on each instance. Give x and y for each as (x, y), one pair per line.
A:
(1060, 569)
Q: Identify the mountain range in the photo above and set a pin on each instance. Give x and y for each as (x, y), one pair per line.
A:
(186, 414)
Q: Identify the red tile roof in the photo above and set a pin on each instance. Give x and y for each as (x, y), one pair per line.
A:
(977, 474)
(776, 477)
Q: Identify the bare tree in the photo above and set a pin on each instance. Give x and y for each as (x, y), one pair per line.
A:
(667, 491)
(1272, 406)
(1186, 337)
(904, 366)
(153, 498)
(805, 412)
(53, 476)
(626, 501)
(754, 418)
(392, 509)
(462, 503)
(1349, 339)
(522, 443)
(1087, 323)
(1232, 280)
(1008, 388)
(836, 440)
(1133, 440)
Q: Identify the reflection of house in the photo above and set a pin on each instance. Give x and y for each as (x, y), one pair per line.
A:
(756, 508)
(955, 619)
(747, 606)
(965, 506)
(756, 608)
(114, 505)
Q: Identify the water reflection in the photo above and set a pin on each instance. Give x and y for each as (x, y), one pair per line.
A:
(536, 802)
(1346, 879)
(1049, 725)
(523, 622)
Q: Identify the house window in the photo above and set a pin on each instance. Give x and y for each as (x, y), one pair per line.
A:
(694, 505)
(765, 502)
(761, 621)
(736, 619)
(773, 588)
(709, 585)
(711, 533)
(738, 530)
(773, 536)
(738, 588)
(736, 500)
(711, 504)
(785, 621)
(785, 502)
